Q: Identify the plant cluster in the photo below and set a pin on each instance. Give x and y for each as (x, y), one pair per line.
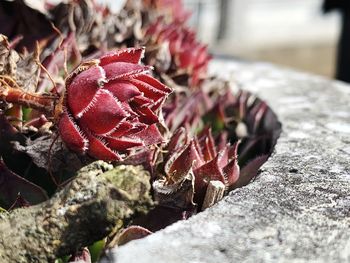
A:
(81, 82)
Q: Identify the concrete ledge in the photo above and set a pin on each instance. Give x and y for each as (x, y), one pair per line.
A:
(298, 209)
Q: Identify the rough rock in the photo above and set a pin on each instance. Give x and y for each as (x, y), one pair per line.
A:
(298, 209)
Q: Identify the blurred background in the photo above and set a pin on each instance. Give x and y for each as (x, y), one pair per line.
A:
(293, 33)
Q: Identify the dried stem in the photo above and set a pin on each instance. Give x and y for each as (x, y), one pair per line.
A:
(214, 194)
(10, 92)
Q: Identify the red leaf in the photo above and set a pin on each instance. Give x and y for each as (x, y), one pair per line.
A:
(122, 90)
(129, 55)
(82, 89)
(99, 150)
(71, 134)
(122, 144)
(119, 70)
(104, 115)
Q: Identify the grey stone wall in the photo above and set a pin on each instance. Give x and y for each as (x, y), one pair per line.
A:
(298, 209)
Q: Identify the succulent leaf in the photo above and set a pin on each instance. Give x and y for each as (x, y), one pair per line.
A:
(201, 159)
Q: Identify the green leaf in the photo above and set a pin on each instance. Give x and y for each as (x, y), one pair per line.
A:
(96, 250)
(26, 113)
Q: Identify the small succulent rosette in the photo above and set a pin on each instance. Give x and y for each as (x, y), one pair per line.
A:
(190, 164)
(188, 57)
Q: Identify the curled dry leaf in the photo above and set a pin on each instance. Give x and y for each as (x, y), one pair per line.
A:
(128, 234)
(74, 16)
(8, 58)
(96, 27)
(20, 68)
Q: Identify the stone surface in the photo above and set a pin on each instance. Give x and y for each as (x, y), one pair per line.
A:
(298, 209)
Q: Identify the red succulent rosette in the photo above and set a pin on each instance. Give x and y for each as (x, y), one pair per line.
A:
(187, 54)
(111, 106)
(198, 160)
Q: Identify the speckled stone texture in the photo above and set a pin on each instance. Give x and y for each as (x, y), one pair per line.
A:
(298, 209)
